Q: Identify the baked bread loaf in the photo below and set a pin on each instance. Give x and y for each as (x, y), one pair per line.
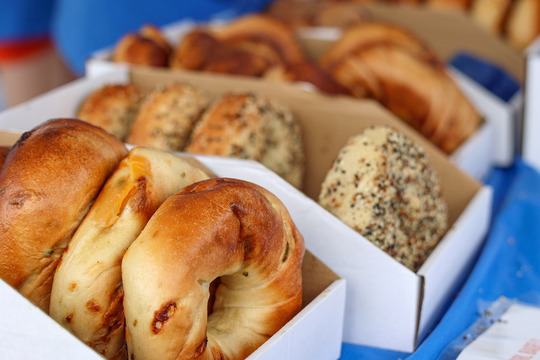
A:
(112, 107)
(87, 290)
(48, 182)
(250, 126)
(218, 228)
(406, 79)
(147, 47)
(167, 115)
(382, 185)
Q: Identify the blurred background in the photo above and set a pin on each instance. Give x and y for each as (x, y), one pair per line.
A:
(44, 43)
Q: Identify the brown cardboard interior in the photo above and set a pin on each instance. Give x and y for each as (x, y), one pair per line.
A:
(327, 124)
(316, 276)
(448, 32)
(8, 138)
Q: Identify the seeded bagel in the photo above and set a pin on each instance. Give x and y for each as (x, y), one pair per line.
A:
(382, 185)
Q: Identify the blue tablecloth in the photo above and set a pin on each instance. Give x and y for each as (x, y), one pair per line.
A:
(509, 266)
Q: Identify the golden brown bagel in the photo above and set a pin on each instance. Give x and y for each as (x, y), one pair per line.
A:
(48, 182)
(147, 47)
(223, 228)
(87, 293)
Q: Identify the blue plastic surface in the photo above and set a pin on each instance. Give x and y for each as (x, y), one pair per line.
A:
(487, 74)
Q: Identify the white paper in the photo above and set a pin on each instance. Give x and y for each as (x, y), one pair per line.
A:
(515, 336)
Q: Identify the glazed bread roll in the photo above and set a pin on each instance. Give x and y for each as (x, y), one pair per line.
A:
(249, 126)
(218, 228)
(49, 181)
(407, 80)
(87, 290)
(167, 116)
(112, 107)
(382, 185)
(147, 47)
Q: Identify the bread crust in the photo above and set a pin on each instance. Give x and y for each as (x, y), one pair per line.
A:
(87, 293)
(48, 182)
(242, 234)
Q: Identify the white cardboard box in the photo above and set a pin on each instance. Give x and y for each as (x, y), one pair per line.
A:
(387, 305)
(531, 117)
(314, 333)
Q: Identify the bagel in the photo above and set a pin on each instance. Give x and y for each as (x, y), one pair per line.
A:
(223, 228)
(167, 116)
(112, 107)
(382, 185)
(147, 47)
(87, 294)
(247, 125)
(49, 181)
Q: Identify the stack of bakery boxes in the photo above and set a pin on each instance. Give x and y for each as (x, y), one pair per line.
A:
(354, 292)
